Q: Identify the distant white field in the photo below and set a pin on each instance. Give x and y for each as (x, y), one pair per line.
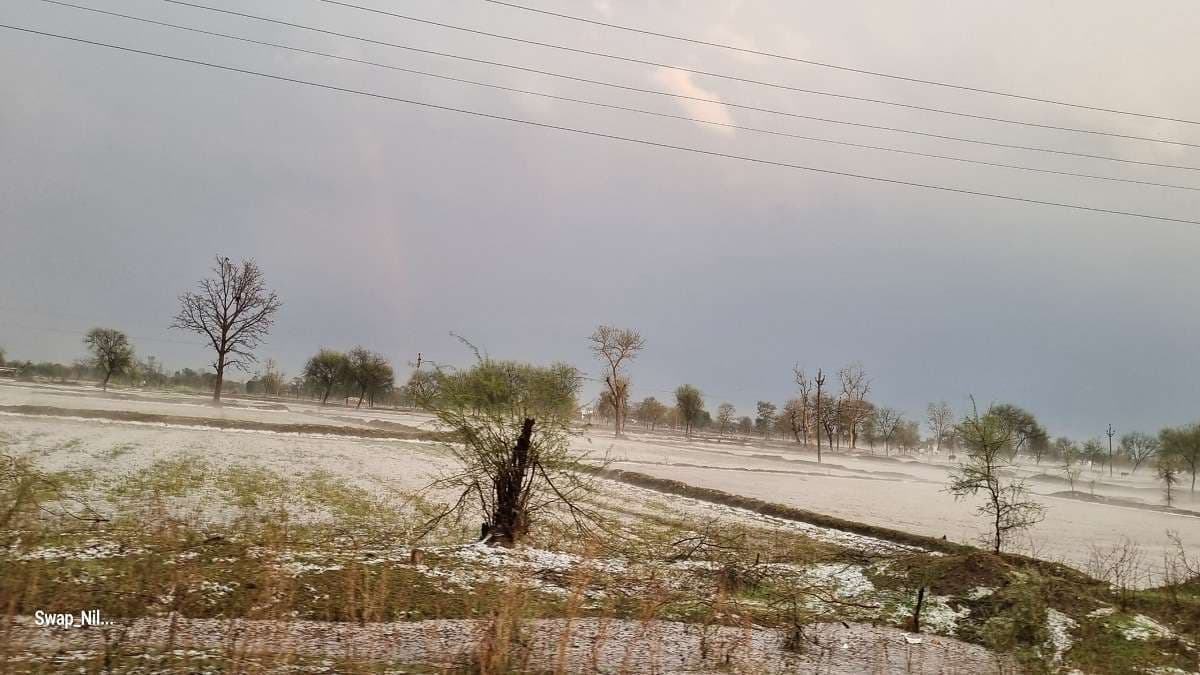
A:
(905, 493)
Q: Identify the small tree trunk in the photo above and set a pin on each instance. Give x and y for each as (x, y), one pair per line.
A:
(916, 617)
(104, 385)
(220, 381)
(509, 519)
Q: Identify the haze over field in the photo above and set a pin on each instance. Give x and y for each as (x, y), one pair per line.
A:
(122, 176)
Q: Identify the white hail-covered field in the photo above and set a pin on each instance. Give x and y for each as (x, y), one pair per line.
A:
(904, 493)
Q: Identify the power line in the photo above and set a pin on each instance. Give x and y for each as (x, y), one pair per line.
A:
(598, 134)
(771, 111)
(735, 78)
(612, 106)
(822, 64)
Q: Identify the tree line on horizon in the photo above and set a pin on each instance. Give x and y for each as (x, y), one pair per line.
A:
(233, 310)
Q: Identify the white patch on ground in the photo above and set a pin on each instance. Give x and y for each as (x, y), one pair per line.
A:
(937, 616)
(1102, 612)
(1142, 627)
(980, 592)
(93, 549)
(849, 580)
(1059, 626)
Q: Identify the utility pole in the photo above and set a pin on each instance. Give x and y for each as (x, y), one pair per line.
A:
(820, 383)
(1110, 433)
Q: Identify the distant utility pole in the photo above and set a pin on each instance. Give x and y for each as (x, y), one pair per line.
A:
(820, 384)
(1110, 434)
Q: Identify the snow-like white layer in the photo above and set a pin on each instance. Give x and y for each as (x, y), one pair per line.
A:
(1142, 627)
(1059, 626)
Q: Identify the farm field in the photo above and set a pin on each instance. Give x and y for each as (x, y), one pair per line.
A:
(283, 536)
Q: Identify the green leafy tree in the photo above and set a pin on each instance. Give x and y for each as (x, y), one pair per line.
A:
(326, 370)
(1027, 435)
(988, 439)
(1168, 468)
(111, 352)
(1183, 445)
(690, 403)
(651, 412)
(369, 373)
(512, 425)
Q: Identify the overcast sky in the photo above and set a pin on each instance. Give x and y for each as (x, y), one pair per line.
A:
(381, 224)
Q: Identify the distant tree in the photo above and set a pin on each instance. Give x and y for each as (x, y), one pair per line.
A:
(1069, 454)
(511, 425)
(886, 422)
(606, 407)
(988, 438)
(651, 412)
(855, 408)
(795, 414)
(326, 370)
(940, 419)
(745, 425)
(1168, 469)
(908, 435)
(1138, 447)
(765, 421)
(616, 347)
(1093, 451)
(1028, 435)
(2, 356)
(827, 413)
(370, 373)
(725, 417)
(422, 385)
(1183, 444)
(800, 409)
(272, 378)
(111, 352)
(234, 310)
(690, 403)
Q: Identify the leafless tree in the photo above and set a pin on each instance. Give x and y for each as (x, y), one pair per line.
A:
(940, 419)
(1139, 447)
(1006, 503)
(111, 352)
(887, 423)
(615, 347)
(802, 413)
(855, 387)
(725, 417)
(795, 417)
(234, 310)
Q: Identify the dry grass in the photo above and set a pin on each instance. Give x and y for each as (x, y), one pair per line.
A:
(282, 566)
